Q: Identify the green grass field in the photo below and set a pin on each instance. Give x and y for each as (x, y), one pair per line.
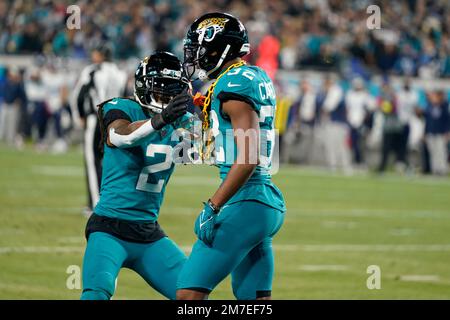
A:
(336, 226)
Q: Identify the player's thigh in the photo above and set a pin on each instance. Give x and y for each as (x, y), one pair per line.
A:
(252, 278)
(159, 264)
(208, 266)
(103, 258)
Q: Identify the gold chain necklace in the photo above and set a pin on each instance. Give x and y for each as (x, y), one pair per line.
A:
(207, 103)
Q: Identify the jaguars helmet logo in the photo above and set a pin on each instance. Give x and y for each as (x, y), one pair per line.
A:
(220, 22)
(208, 28)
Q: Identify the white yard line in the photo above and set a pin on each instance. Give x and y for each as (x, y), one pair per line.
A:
(402, 232)
(72, 240)
(183, 211)
(323, 267)
(373, 213)
(313, 172)
(38, 209)
(420, 278)
(194, 181)
(365, 247)
(339, 224)
(67, 171)
(41, 249)
(291, 213)
(285, 247)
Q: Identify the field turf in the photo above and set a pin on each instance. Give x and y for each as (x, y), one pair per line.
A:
(336, 226)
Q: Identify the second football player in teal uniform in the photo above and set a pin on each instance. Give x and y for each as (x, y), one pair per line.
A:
(236, 226)
(137, 165)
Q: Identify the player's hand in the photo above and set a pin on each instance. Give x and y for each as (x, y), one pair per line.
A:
(176, 108)
(205, 225)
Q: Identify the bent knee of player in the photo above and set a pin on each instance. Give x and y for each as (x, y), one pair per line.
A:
(102, 287)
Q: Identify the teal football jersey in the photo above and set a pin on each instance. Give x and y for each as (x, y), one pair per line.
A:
(134, 179)
(252, 85)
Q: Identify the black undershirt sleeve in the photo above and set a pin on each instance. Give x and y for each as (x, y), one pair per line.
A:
(113, 115)
(226, 96)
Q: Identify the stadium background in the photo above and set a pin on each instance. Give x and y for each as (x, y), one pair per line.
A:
(339, 221)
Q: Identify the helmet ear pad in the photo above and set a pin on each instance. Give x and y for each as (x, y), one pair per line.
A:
(210, 58)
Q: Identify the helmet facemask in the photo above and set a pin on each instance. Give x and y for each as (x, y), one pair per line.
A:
(197, 62)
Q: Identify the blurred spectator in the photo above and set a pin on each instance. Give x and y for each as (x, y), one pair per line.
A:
(12, 109)
(55, 84)
(268, 51)
(36, 93)
(392, 132)
(299, 138)
(328, 34)
(437, 128)
(407, 102)
(331, 105)
(325, 35)
(359, 104)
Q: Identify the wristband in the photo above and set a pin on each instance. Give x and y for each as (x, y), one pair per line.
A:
(214, 208)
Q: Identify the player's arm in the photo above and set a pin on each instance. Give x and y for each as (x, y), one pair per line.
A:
(244, 120)
(125, 134)
(245, 124)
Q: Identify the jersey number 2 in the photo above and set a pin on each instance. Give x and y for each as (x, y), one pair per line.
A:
(152, 149)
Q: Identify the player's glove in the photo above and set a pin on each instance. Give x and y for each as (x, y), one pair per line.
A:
(205, 224)
(176, 108)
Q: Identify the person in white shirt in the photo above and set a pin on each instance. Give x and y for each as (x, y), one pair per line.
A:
(299, 138)
(308, 117)
(359, 104)
(56, 84)
(36, 93)
(331, 104)
(98, 82)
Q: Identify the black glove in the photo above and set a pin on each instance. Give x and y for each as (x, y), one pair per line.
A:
(176, 108)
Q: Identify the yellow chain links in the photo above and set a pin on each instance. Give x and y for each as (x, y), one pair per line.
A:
(207, 138)
(206, 149)
(207, 102)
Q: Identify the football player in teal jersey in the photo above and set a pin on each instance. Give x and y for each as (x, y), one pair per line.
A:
(123, 231)
(237, 224)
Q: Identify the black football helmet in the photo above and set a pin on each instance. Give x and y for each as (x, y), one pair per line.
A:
(212, 40)
(158, 79)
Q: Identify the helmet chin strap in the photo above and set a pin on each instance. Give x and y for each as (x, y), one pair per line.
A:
(203, 75)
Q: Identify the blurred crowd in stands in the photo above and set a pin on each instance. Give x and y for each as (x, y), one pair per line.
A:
(414, 38)
(362, 125)
(343, 119)
(33, 100)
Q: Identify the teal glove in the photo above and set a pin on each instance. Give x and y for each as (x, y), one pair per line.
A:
(205, 224)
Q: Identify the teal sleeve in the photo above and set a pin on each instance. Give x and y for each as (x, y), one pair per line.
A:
(239, 87)
(117, 104)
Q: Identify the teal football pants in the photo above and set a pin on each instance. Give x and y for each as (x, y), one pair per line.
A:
(159, 263)
(242, 246)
